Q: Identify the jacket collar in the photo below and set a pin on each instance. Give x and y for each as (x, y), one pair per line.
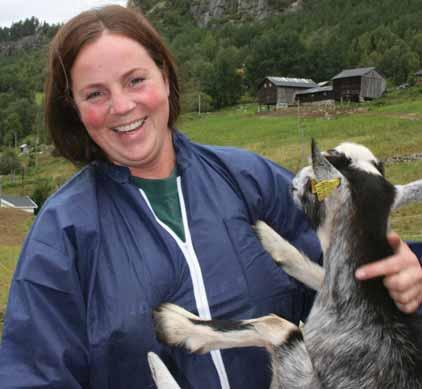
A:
(121, 174)
(182, 146)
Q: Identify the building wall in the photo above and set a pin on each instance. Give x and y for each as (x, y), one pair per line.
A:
(286, 95)
(347, 88)
(373, 85)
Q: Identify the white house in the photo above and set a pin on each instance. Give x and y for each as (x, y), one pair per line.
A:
(18, 202)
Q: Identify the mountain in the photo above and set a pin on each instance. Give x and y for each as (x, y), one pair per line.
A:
(205, 12)
(224, 48)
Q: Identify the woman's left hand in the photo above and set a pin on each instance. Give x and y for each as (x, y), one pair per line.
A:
(402, 275)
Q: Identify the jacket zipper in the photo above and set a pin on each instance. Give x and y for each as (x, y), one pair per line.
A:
(199, 290)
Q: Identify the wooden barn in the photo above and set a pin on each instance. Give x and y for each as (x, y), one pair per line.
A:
(358, 84)
(418, 77)
(280, 91)
(321, 95)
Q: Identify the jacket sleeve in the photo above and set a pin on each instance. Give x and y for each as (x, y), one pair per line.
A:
(265, 187)
(44, 338)
(417, 249)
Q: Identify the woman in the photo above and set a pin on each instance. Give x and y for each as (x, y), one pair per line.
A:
(151, 218)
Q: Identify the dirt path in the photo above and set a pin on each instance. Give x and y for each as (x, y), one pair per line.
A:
(401, 115)
(332, 112)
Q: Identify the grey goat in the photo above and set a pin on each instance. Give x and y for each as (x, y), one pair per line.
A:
(355, 336)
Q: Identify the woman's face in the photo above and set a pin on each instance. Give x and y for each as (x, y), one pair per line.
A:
(122, 99)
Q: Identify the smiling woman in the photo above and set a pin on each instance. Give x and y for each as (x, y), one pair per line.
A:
(117, 68)
(122, 99)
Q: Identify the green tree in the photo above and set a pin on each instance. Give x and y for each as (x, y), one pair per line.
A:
(224, 81)
(416, 44)
(11, 129)
(398, 63)
(9, 162)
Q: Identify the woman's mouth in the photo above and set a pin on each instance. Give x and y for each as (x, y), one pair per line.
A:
(130, 127)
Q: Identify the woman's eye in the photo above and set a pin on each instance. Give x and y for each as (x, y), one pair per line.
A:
(93, 95)
(136, 81)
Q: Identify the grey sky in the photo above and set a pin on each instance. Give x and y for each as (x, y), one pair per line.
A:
(51, 11)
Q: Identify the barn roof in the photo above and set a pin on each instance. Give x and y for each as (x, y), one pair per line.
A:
(18, 201)
(318, 89)
(358, 72)
(292, 82)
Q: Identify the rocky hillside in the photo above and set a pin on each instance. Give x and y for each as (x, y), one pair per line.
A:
(30, 42)
(206, 11)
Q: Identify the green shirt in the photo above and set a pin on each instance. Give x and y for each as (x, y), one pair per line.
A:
(164, 199)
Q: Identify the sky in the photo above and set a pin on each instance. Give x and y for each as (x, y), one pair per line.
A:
(51, 11)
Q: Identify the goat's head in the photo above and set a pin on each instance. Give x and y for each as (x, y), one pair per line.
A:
(344, 184)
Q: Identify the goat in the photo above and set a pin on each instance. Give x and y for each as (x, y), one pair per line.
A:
(355, 336)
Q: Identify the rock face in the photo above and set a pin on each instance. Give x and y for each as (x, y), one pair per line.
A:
(205, 11)
(26, 43)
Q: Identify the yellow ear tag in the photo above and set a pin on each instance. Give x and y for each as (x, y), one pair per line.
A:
(324, 188)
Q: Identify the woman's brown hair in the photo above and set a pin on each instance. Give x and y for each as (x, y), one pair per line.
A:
(61, 116)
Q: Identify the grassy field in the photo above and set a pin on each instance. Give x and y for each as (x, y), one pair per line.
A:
(13, 226)
(391, 127)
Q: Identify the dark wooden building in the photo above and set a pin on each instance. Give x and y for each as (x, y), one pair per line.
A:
(418, 77)
(358, 84)
(321, 95)
(280, 91)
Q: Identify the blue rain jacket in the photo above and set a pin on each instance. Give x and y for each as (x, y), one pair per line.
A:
(97, 262)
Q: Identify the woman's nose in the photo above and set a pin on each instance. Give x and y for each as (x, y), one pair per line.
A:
(121, 103)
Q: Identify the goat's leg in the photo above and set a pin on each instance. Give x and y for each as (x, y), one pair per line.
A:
(409, 193)
(162, 377)
(177, 327)
(293, 262)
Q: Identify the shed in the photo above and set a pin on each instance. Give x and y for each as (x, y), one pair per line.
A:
(23, 203)
(280, 91)
(418, 77)
(358, 84)
(321, 95)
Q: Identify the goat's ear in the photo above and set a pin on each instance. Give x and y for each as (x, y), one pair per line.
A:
(409, 193)
(323, 169)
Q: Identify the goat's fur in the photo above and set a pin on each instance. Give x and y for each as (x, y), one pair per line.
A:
(355, 336)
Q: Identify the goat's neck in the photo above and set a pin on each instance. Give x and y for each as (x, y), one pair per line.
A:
(352, 243)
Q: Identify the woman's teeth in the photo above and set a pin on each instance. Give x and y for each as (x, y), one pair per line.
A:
(130, 127)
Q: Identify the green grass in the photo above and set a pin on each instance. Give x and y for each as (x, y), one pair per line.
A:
(286, 140)
(283, 138)
(8, 258)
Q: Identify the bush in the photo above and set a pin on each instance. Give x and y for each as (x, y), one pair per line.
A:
(43, 189)
(9, 163)
(190, 102)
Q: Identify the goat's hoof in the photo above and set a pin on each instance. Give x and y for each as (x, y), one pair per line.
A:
(173, 325)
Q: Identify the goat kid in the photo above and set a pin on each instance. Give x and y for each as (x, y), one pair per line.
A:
(355, 336)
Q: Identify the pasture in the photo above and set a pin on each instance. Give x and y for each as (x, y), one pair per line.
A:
(391, 127)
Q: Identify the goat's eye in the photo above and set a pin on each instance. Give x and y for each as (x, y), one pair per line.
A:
(339, 161)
